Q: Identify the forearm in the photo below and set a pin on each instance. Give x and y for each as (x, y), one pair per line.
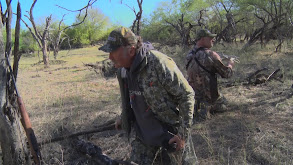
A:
(186, 107)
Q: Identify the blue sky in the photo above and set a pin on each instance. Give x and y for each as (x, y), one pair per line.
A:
(117, 12)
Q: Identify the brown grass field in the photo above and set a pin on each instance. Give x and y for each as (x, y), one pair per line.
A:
(69, 97)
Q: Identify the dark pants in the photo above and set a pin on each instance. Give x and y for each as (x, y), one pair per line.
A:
(143, 154)
(203, 109)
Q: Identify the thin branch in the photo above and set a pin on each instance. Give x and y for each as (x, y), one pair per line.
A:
(272, 74)
(32, 33)
(2, 15)
(261, 18)
(61, 22)
(6, 9)
(89, 4)
(110, 125)
(31, 18)
(242, 19)
(231, 6)
(224, 7)
(48, 21)
(133, 9)
(78, 22)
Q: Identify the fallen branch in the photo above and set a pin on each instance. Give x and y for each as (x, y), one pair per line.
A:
(254, 74)
(110, 125)
(273, 74)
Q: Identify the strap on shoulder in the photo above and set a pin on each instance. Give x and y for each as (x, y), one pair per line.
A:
(193, 52)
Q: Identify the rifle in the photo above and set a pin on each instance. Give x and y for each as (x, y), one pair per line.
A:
(26, 123)
(227, 57)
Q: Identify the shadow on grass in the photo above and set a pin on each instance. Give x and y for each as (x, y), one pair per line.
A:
(74, 114)
(248, 133)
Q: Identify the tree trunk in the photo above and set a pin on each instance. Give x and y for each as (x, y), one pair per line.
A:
(16, 42)
(45, 55)
(279, 46)
(55, 53)
(185, 39)
(8, 28)
(57, 43)
(254, 37)
(39, 55)
(12, 136)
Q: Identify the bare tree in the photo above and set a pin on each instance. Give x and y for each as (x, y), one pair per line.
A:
(57, 39)
(12, 139)
(16, 53)
(40, 36)
(184, 27)
(229, 32)
(136, 23)
(274, 19)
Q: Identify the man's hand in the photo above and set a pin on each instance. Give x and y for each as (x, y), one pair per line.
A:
(178, 141)
(231, 62)
(118, 123)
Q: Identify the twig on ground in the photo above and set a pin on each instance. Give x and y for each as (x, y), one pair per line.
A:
(110, 125)
(273, 74)
(254, 74)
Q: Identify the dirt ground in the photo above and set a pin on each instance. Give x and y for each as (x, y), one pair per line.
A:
(70, 97)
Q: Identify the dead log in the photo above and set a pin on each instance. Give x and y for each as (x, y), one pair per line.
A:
(260, 78)
(254, 74)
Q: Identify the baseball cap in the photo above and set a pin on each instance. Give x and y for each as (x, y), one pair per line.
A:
(121, 36)
(204, 33)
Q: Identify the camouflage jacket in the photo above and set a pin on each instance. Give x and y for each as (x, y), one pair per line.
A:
(165, 90)
(203, 83)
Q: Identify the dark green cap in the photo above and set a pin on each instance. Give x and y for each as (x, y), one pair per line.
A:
(204, 33)
(119, 37)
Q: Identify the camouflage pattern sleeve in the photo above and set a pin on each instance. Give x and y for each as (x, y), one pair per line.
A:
(221, 69)
(177, 86)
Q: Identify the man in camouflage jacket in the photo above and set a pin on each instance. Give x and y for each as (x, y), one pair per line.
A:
(157, 101)
(202, 67)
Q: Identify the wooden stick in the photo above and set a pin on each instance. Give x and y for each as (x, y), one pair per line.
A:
(255, 73)
(272, 74)
(110, 125)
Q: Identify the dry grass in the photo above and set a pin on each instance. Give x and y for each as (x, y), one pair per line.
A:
(68, 97)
